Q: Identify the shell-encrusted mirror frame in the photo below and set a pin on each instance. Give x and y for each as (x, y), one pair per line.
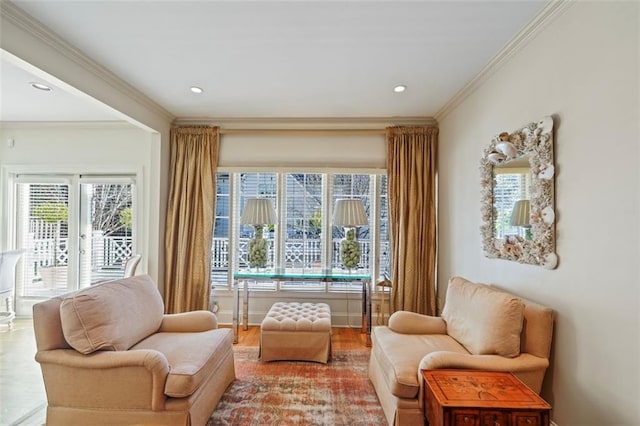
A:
(534, 140)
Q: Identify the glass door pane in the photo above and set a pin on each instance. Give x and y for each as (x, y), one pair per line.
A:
(43, 231)
(106, 231)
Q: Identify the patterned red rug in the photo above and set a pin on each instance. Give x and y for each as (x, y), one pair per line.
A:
(300, 393)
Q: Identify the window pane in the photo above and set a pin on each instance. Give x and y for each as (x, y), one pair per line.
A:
(107, 227)
(221, 232)
(303, 221)
(352, 186)
(256, 185)
(43, 212)
(383, 234)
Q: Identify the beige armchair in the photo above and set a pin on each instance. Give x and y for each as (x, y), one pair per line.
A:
(481, 328)
(110, 356)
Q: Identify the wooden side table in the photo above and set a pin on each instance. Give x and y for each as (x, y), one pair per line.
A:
(481, 398)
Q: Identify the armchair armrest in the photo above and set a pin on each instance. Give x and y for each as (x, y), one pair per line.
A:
(127, 379)
(189, 322)
(443, 359)
(411, 323)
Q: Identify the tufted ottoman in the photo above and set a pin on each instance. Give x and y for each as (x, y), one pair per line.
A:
(296, 331)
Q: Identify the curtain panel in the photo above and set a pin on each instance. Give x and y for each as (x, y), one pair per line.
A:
(411, 169)
(190, 217)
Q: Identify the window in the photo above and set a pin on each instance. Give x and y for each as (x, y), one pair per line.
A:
(511, 185)
(304, 239)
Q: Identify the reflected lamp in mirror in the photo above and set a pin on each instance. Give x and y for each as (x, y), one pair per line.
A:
(519, 165)
(258, 212)
(520, 216)
(349, 214)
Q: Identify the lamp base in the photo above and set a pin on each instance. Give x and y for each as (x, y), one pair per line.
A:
(257, 248)
(349, 249)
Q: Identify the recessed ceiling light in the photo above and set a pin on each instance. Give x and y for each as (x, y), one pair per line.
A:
(196, 89)
(400, 88)
(40, 86)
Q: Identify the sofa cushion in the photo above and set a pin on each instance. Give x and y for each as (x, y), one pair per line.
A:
(399, 356)
(483, 320)
(113, 315)
(192, 357)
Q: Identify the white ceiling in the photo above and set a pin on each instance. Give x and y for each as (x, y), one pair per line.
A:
(273, 58)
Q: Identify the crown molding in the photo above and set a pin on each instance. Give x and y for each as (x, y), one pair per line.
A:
(26, 22)
(13, 125)
(306, 123)
(549, 12)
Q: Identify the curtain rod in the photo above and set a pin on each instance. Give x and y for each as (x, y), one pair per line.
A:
(306, 132)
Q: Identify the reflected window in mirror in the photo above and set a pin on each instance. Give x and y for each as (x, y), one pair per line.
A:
(512, 185)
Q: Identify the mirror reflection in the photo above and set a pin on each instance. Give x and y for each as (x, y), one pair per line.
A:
(511, 198)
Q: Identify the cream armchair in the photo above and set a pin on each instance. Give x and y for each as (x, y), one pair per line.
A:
(480, 328)
(110, 356)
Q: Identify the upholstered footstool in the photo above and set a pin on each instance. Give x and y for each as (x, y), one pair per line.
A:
(297, 332)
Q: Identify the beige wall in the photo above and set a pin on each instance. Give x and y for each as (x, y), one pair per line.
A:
(583, 69)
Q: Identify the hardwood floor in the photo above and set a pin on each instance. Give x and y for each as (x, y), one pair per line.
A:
(21, 387)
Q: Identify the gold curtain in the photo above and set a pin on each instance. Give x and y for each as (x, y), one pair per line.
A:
(190, 217)
(411, 168)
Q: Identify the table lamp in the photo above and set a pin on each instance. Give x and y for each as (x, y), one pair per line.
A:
(258, 212)
(349, 214)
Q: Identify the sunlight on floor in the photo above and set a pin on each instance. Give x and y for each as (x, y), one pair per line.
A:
(21, 386)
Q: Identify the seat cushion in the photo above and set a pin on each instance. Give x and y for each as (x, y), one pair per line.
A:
(192, 357)
(113, 315)
(399, 356)
(485, 321)
(294, 316)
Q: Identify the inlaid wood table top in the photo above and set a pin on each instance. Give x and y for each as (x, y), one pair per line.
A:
(481, 389)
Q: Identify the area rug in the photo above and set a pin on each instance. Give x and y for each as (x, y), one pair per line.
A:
(287, 393)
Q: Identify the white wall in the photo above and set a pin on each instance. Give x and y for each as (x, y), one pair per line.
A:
(583, 69)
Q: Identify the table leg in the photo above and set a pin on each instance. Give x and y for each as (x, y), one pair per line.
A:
(245, 307)
(236, 308)
(366, 310)
(363, 328)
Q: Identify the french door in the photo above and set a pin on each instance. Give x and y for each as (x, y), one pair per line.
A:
(76, 230)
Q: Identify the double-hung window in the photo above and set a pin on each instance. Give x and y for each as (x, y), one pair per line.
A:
(304, 239)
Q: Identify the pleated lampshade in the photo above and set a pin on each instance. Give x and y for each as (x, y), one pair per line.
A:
(258, 211)
(349, 213)
(520, 216)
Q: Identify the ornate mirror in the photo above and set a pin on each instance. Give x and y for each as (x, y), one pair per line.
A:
(518, 213)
